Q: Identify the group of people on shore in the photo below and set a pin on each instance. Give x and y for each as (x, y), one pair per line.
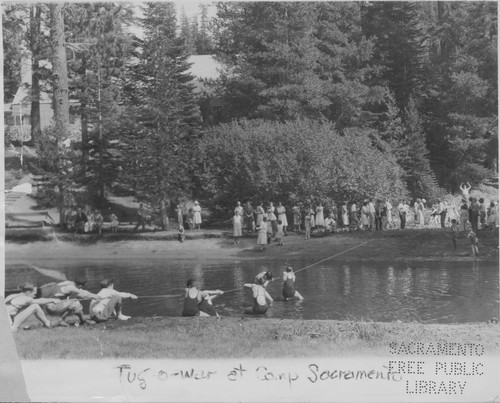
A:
(88, 221)
(271, 222)
(62, 300)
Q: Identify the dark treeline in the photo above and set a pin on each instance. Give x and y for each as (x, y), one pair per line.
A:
(326, 100)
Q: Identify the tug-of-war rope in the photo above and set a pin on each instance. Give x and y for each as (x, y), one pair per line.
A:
(61, 277)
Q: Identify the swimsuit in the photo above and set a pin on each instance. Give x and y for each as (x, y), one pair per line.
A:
(257, 308)
(191, 306)
(204, 306)
(288, 288)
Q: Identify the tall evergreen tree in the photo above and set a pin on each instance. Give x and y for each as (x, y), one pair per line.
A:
(100, 48)
(399, 45)
(167, 120)
(203, 40)
(14, 28)
(461, 99)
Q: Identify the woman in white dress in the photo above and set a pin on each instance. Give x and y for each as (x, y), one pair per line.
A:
(320, 217)
(365, 220)
(281, 210)
(345, 215)
(197, 215)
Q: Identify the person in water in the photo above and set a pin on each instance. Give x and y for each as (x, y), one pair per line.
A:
(193, 297)
(261, 299)
(267, 276)
(289, 290)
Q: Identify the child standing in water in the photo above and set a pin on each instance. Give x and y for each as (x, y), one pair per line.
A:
(289, 290)
(473, 241)
(454, 233)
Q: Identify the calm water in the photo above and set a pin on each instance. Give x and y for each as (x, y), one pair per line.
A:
(433, 292)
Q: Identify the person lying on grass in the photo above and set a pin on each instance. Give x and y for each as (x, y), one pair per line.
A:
(261, 299)
(67, 294)
(23, 305)
(193, 297)
(109, 303)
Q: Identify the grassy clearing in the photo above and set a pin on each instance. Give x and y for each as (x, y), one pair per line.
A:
(183, 338)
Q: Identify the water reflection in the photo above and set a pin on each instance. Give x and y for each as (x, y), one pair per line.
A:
(435, 292)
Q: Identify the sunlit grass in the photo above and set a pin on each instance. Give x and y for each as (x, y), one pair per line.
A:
(237, 337)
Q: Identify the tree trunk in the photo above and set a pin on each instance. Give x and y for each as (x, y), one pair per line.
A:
(59, 72)
(84, 116)
(35, 32)
(60, 83)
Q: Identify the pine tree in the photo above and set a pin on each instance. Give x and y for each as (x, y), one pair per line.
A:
(166, 124)
(100, 49)
(187, 32)
(399, 48)
(203, 41)
(413, 156)
(271, 52)
(461, 99)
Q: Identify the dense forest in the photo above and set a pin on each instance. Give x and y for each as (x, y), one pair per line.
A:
(321, 100)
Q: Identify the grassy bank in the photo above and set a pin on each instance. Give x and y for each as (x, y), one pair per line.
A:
(240, 337)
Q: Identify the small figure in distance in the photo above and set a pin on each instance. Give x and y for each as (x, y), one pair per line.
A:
(181, 234)
(465, 190)
(109, 304)
(473, 241)
(289, 290)
(280, 233)
(261, 299)
(454, 232)
(114, 223)
(237, 224)
(262, 236)
(21, 306)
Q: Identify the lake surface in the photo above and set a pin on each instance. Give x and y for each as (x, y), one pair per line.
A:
(431, 292)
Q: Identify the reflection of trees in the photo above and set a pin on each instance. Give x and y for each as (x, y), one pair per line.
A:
(391, 281)
(346, 270)
(198, 276)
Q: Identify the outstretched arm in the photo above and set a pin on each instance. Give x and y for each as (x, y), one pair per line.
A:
(127, 295)
(45, 301)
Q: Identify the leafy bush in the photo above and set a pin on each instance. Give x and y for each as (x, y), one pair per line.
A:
(297, 161)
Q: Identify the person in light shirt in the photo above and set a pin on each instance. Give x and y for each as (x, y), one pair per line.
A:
(21, 306)
(109, 304)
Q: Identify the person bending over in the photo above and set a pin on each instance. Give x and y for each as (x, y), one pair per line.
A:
(67, 294)
(261, 299)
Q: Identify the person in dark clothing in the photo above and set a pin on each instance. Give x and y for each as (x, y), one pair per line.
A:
(80, 221)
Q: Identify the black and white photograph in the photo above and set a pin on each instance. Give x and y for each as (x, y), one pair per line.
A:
(250, 201)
